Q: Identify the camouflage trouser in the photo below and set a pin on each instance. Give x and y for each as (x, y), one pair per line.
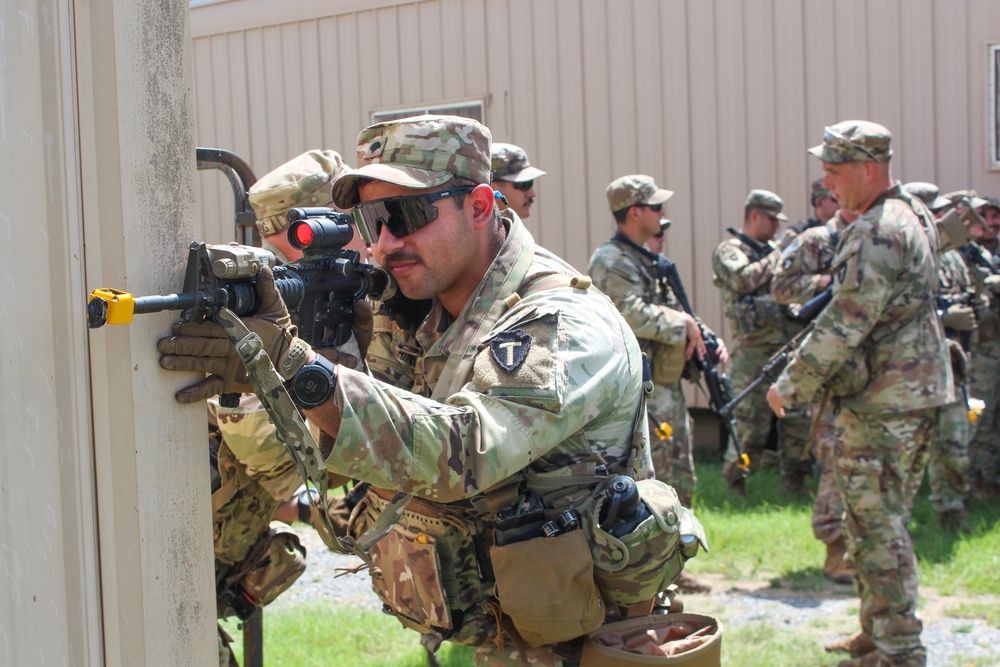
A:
(754, 417)
(869, 456)
(489, 656)
(948, 464)
(673, 459)
(828, 508)
(984, 450)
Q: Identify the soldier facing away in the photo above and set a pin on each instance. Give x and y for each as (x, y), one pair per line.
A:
(880, 348)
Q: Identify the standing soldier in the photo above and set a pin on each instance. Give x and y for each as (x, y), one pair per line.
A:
(960, 305)
(743, 267)
(630, 274)
(984, 450)
(803, 273)
(880, 347)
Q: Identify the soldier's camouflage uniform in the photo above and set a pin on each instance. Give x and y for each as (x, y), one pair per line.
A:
(948, 455)
(628, 275)
(548, 386)
(796, 280)
(881, 347)
(742, 269)
(984, 449)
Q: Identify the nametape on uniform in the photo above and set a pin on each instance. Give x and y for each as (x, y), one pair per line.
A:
(510, 348)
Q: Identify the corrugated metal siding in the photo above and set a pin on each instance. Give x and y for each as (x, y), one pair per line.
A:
(712, 98)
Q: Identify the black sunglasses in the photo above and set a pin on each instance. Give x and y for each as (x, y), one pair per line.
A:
(654, 207)
(524, 186)
(400, 215)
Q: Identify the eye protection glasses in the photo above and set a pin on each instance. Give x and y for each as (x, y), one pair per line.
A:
(524, 186)
(653, 207)
(400, 215)
(838, 140)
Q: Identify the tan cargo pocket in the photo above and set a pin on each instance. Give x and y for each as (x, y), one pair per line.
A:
(546, 585)
(411, 577)
(278, 565)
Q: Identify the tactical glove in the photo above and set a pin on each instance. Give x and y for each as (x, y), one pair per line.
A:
(204, 347)
(959, 317)
(992, 282)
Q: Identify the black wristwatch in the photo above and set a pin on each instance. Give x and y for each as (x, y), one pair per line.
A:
(313, 384)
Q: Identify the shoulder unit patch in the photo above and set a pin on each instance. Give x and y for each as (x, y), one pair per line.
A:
(510, 348)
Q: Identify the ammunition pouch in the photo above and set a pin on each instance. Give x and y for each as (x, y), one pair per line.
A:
(754, 312)
(668, 362)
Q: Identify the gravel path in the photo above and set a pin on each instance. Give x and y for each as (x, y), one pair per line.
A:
(826, 614)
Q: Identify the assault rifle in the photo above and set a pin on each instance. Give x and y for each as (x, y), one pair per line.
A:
(807, 312)
(320, 290)
(719, 391)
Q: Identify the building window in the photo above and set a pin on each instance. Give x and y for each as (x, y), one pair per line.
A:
(469, 109)
(995, 107)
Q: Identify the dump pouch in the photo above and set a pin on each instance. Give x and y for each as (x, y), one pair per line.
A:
(668, 362)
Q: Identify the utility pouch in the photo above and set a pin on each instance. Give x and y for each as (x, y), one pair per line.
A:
(746, 314)
(411, 577)
(643, 553)
(668, 362)
(277, 567)
(433, 576)
(546, 586)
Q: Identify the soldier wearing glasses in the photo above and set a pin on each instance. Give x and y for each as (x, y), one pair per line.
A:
(514, 177)
(504, 372)
(743, 267)
(880, 348)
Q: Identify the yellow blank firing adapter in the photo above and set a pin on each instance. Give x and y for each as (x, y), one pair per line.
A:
(109, 306)
(976, 407)
(743, 462)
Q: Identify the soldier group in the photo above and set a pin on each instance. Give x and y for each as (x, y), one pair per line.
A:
(500, 380)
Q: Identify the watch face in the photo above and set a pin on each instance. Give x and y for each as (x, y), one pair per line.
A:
(312, 386)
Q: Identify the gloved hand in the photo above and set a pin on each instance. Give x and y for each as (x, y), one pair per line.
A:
(356, 349)
(992, 282)
(203, 346)
(959, 317)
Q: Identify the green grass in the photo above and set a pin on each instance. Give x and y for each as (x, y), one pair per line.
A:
(322, 635)
(766, 537)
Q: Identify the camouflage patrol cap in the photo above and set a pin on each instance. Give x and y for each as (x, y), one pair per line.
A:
(302, 181)
(818, 191)
(635, 189)
(510, 163)
(975, 201)
(854, 141)
(418, 152)
(992, 202)
(768, 202)
(928, 193)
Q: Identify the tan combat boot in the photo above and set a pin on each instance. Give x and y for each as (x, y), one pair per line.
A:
(858, 644)
(836, 568)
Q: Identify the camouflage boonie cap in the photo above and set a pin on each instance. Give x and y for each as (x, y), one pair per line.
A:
(418, 152)
(635, 189)
(928, 193)
(768, 202)
(302, 181)
(971, 195)
(818, 191)
(854, 141)
(510, 163)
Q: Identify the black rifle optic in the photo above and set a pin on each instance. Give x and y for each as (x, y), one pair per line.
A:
(719, 391)
(807, 312)
(320, 289)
